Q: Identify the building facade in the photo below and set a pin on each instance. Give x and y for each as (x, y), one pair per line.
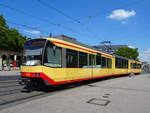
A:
(109, 48)
(7, 59)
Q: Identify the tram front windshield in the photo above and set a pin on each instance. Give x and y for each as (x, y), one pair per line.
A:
(33, 52)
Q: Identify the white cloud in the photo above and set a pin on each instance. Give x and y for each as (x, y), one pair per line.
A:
(32, 32)
(120, 14)
(132, 47)
(145, 56)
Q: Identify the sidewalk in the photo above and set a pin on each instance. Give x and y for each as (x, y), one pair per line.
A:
(9, 73)
(119, 95)
(9, 68)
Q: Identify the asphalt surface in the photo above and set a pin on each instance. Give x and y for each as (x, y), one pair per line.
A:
(118, 95)
(12, 93)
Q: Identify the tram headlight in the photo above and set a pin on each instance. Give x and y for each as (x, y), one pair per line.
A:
(37, 74)
(21, 73)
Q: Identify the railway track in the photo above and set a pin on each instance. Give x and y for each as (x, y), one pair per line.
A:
(11, 93)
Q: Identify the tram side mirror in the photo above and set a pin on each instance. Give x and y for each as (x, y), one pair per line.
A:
(54, 50)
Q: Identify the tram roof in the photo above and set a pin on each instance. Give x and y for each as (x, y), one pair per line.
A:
(74, 41)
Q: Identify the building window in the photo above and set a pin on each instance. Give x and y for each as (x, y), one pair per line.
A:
(72, 58)
(83, 60)
(52, 56)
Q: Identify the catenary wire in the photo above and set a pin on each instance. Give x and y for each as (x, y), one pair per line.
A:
(69, 17)
(102, 13)
(44, 20)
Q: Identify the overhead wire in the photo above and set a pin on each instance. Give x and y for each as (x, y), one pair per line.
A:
(15, 24)
(26, 26)
(102, 13)
(57, 10)
(43, 20)
(68, 16)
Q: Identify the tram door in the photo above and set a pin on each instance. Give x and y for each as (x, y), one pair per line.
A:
(92, 62)
(132, 65)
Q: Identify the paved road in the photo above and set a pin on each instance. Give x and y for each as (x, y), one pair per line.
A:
(119, 95)
(11, 93)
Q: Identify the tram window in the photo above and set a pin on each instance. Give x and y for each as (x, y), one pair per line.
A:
(140, 66)
(116, 62)
(83, 60)
(92, 60)
(135, 65)
(132, 65)
(98, 61)
(120, 63)
(125, 64)
(72, 58)
(104, 62)
(52, 56)
(109, 63)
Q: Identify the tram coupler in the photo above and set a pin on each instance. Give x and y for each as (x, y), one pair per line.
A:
(27, 82)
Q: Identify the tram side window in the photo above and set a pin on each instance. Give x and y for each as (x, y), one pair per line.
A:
(91, 60)
(104, 62)
(109, 63)
(121, 63)
(83, 60)
(118, 63)
(125, 63)
(72, 58)
(139, 66)
(132, 66)
(52, 56)
(98, 61)
(135, 66)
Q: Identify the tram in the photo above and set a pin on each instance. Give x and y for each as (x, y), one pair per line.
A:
(61, 60)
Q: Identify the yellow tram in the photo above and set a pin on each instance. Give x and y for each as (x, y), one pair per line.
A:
(53, 61)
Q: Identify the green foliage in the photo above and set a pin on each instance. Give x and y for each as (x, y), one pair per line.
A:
(128, 52)
(10, 38)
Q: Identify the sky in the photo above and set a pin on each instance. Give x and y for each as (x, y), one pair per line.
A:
(123, 22)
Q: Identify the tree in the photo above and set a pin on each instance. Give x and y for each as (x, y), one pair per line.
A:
(128, 52)
(10, 38)
(3, 33)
